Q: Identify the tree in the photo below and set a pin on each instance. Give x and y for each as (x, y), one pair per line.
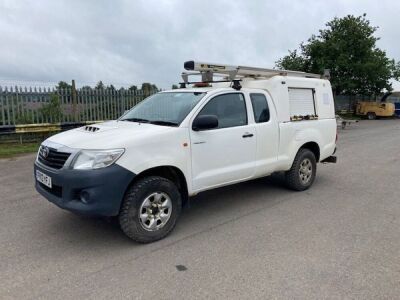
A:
(63, 85)
(347, 46)
(174, 87)
(396, 71)
(52, 111)
(148, 88)
(293, 61)
(100, 85)
(133, 88)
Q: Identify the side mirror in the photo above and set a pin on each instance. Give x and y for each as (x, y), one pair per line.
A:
(205, 122)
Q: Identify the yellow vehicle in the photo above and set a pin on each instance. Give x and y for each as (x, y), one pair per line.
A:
(375, 109)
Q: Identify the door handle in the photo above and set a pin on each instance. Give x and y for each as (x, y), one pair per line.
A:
(247, 135)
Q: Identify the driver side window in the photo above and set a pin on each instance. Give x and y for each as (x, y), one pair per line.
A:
(230, 110)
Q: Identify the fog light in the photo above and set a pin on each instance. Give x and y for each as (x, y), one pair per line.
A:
(84, 197)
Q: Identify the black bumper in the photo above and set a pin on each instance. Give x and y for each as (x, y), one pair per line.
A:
(96, 192)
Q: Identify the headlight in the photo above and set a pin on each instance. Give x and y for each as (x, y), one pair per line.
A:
(93, 159)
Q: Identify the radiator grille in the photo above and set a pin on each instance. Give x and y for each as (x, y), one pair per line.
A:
(52, 158)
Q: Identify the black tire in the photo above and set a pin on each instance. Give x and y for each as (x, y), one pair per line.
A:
(294, 179)
(371, 116)
(129, 216)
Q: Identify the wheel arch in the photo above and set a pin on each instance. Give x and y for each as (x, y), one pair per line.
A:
(169, 172)
(313, 147)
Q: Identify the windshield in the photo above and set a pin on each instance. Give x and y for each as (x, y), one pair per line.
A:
(169, 108)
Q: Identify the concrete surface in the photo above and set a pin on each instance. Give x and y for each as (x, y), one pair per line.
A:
(340, 239)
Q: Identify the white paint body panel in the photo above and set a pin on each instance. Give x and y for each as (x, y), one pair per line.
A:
(221, 156)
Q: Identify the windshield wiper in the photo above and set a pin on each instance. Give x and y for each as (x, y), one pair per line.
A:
(166, 123)
(157, 122)
(136, 120)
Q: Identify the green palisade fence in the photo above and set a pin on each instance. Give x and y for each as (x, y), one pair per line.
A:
(44, 105)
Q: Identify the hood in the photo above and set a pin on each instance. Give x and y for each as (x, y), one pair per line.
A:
(113, 134)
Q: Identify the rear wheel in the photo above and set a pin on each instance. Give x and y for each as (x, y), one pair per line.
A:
(302, 173)
(371, 116)
(150, 209)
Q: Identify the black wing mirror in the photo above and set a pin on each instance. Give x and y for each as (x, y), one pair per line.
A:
(205, 122)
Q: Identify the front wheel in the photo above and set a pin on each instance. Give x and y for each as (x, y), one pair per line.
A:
(150, 209)
(302, 173)
(371, 116)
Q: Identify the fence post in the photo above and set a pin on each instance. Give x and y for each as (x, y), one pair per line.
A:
(2, 107)
(74, 101)
(123, 96)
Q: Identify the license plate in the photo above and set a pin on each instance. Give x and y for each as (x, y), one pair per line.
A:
(43, 178)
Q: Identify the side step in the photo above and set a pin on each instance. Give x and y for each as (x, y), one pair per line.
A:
(330, 159)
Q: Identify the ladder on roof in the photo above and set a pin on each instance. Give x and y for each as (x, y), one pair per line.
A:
(232, 73)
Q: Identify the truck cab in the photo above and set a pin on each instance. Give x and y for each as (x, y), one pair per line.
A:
(175, 144)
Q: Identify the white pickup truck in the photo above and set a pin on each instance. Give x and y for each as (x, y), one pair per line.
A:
(174, 144)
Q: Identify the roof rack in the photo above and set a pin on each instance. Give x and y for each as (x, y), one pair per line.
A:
(231, 73)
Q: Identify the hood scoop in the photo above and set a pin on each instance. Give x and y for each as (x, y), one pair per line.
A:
(100, 127)
(91, 128)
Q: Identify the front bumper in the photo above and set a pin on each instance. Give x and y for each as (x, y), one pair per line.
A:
(96, 192)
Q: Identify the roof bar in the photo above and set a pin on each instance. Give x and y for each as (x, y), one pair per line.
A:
(243, 71)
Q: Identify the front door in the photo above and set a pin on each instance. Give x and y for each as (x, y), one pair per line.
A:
(227, 153)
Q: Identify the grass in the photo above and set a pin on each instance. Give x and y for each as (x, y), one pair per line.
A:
(12, 150)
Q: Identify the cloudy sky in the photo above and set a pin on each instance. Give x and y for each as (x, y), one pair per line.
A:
(130, 42)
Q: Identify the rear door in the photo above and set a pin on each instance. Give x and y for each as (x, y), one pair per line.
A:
(225, 154)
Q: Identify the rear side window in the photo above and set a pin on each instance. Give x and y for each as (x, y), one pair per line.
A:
(260, 108)
(230, 110)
